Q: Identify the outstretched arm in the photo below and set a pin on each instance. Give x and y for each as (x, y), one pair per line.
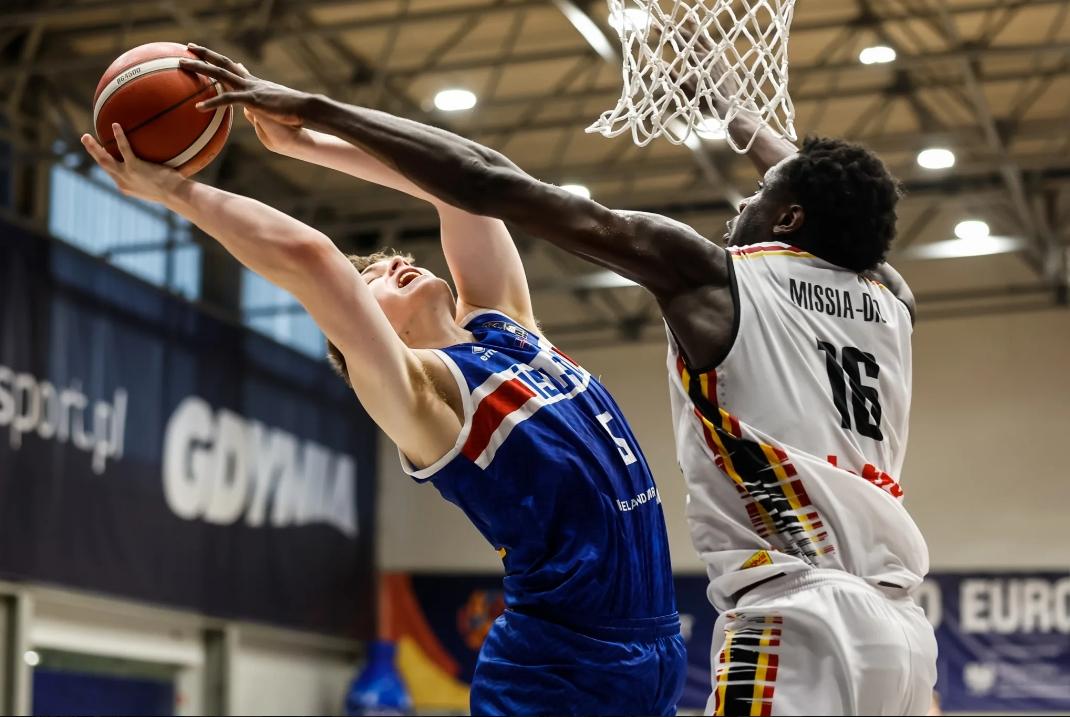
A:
(665, 256)
(479, 250)
(389, 378)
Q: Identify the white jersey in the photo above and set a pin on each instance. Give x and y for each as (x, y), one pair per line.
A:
(792, 447)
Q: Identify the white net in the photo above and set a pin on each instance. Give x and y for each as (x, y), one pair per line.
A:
(693, 66)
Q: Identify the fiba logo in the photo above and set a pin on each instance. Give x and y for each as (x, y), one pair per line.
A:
(518, 332)
(476, 617)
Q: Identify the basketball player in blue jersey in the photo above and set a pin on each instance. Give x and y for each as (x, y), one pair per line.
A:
(518, 435)
(790, 371)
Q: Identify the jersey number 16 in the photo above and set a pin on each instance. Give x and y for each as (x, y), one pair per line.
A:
(865, 400)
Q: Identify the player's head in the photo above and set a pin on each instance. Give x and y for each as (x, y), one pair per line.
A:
(834, 199)
(414, 300)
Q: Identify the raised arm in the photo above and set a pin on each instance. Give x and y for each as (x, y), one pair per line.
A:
(391, 380)
(768, 148)
(480, 252)
(663, 255)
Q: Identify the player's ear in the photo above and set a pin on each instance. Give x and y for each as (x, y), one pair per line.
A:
(790, 221)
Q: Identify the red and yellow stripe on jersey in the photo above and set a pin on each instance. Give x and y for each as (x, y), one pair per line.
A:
(755, 251)
(758, 250)
(504, 401)
(776, 500)
(746, 670)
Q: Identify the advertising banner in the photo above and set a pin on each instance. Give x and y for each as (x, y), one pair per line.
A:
(152, 451)
(1004, 638)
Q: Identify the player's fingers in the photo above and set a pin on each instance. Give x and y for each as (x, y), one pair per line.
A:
(99, 154)
(124, 145)
(249, 115)
(227, 98)
(208, 70)
(217, 59)
(254, 117)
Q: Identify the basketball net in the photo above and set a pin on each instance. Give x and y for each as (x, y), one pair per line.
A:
(692, 69)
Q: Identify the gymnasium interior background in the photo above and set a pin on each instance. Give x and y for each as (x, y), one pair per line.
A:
(128, 589)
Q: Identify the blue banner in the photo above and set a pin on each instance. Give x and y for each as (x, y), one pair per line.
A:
(1004, 638)
(153, 451)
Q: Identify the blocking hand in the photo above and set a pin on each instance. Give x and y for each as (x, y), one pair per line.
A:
(269, 99)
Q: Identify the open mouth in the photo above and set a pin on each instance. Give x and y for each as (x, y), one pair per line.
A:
(407, 276)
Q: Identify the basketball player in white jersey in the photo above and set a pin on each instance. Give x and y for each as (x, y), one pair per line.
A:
(790, 372)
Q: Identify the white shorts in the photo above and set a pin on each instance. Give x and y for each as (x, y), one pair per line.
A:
(822, 642)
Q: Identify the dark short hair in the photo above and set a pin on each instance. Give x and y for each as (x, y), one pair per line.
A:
(849, 197)
(361, 262)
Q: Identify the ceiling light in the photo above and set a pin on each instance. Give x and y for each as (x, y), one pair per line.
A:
(455, 100)
(877, 55)
(937, 158)
(578, 189)
(632, 18)
(957, 249)
(972, 229)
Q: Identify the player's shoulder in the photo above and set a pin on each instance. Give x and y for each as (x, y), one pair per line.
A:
(764, 265)
(885, 276)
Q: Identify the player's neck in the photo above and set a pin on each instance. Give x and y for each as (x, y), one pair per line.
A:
(434, 331)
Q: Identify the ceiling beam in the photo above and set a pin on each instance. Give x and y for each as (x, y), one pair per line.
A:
(1041, 236)
(92, 64)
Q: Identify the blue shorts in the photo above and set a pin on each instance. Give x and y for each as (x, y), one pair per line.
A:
(529, 665)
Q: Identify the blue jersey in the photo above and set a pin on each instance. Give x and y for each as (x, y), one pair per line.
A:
(548, 470)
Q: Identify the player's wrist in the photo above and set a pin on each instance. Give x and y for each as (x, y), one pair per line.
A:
(177, 193)
(298, 144)
(312, 107)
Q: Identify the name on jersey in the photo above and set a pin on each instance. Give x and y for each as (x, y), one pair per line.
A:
(650, 495)
(551, 377)
(511, 396)
(835, 302)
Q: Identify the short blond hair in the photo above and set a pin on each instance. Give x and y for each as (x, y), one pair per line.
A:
(361, 262)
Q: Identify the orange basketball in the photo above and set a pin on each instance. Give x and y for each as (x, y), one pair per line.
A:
(153, 101)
